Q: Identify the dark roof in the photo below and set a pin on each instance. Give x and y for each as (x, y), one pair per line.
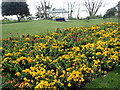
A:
(59, 11)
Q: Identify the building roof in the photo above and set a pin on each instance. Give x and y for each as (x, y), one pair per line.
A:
(58, 11)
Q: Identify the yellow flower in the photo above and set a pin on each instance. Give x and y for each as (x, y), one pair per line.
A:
(92, 71)
(23, 58)
(8, 54)
(93, 28)
(69, 78)
(29, 60)
(109, 66)
(26, 39)
(82, 80)
(37, 82)
(108, 61)
(113, 62)
(26, 79)
(76, 48)
(18, 74)
(69, 84)
(1, 47)
(64, 72)
(83, 55)
(15, 62)
(76, 80)
(93, 57)
(105, 72)
(116, 58)
(44, 60)
(37, 57)
(96, 61)
(98, 53)
(42, 76)
(68, 69)
(26, 70)
(37, 77)
(32, 81)
(87, 71)
(99, 70)
(52, 83)
(55, 80)
(14, 41)
(37, 36)
(62, 75)
(27, 84)
(21, 49)
(62, 84)
(32, 68)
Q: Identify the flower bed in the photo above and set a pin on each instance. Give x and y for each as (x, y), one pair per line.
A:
(60, 59)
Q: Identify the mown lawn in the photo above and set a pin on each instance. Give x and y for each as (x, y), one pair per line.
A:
(43, 26)
(111, 80)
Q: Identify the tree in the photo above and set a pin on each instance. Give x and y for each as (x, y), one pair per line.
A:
(71, 7)
(78, 12)
(93, 6)
(43, 9)
(111, 12)
(20, 9)
(118, 12)
(39, 13)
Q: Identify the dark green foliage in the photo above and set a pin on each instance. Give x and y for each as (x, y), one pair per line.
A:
(15, 8)
(111, 12)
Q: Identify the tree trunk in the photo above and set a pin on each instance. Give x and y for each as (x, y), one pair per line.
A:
(78, 13)
(90, 13)
(71, 14)
(68, 11)
(45, 15)
(18, 18)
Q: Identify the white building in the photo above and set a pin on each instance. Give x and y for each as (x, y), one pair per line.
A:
(59, 13)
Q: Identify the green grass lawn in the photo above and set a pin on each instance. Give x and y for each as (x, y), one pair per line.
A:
(111, 80)
(43, 26)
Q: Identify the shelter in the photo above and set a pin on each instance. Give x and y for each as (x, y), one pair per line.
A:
(59, 13)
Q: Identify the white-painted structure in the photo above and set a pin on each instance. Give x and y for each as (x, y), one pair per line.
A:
(59, 13)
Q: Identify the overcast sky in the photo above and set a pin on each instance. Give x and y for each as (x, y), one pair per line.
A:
(60, 4)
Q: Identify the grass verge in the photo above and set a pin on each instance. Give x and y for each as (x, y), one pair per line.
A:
(111, 80)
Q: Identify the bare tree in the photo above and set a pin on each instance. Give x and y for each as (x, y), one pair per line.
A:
(78, 11)
(71, 7)
(43, 9)
(39, 12)
(93, 6)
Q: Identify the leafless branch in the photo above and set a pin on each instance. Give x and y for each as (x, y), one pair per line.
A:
(43, 8)
(93, 6)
